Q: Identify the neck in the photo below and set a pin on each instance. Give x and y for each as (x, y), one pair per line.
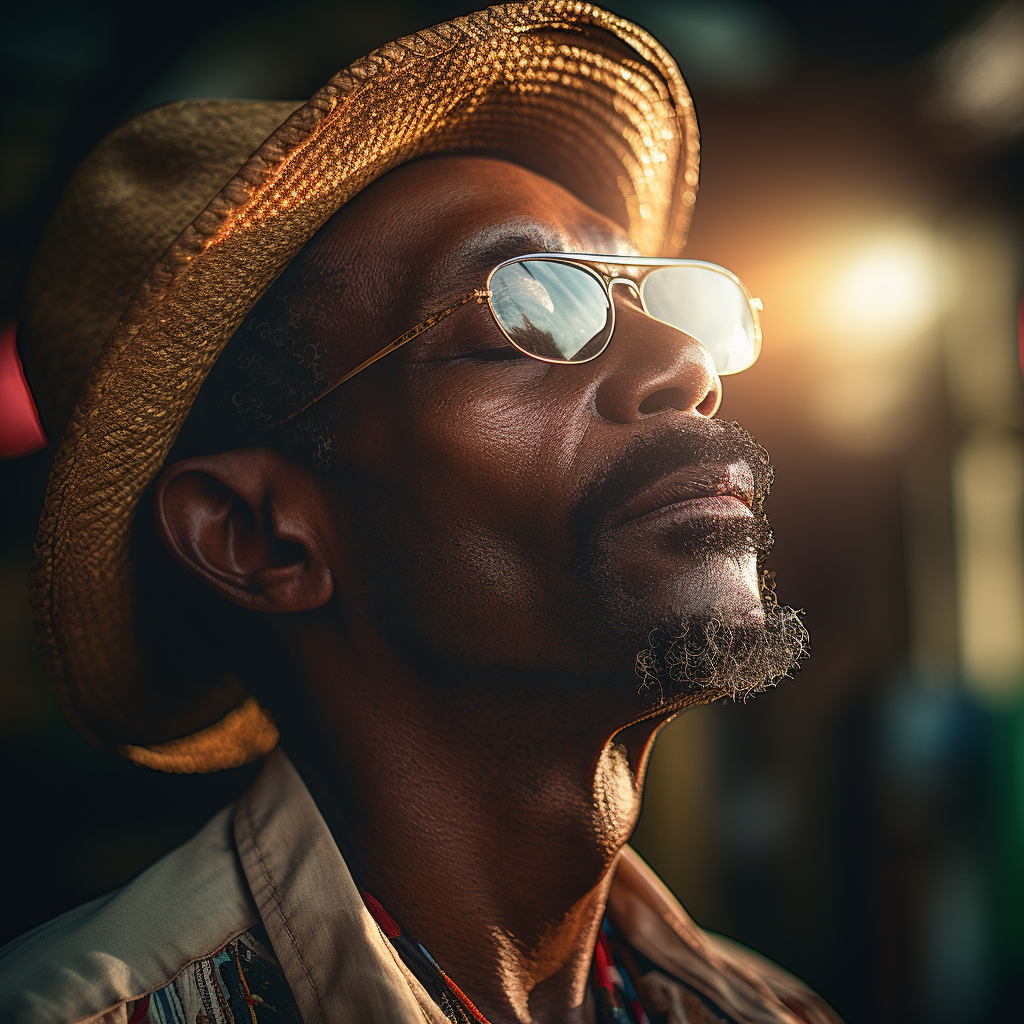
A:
(486, 820)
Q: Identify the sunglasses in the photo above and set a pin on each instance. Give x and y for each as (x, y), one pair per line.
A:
(558, 308)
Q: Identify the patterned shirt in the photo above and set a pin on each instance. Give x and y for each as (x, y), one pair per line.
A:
(257, 920)
(242, 983)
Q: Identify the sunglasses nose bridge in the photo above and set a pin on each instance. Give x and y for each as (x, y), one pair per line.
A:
(627, 281)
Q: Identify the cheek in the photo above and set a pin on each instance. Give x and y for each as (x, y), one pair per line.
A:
(499, 458)
(467, 506)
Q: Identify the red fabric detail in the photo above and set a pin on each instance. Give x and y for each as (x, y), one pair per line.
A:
(639, 1012)
(141, 1011)
(21, 433)
(603, 963)
(381, 916)
(463, 998)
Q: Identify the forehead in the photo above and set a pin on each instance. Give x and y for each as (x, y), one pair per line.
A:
(463, 197)
(432, 229)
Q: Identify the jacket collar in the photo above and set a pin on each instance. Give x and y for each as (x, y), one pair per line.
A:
(340, 966)
(342, 969)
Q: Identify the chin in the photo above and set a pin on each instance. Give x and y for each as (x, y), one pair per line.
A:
(718, 586)
(703, 657)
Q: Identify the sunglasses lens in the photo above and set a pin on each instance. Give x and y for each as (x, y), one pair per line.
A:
(709, 306)
(551, 310)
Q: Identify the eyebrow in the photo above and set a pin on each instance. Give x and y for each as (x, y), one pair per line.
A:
(467, 265)
(485, 252)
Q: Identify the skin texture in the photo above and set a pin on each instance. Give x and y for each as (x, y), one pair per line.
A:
(464, 682)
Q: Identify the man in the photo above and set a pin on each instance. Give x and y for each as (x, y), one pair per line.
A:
(380, 438)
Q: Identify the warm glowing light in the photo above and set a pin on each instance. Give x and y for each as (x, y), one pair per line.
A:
(857, 298)
(884, 296)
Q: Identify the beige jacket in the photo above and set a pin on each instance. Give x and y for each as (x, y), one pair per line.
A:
(271, 857)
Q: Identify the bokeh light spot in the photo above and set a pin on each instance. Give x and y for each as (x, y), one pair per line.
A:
(885, 295)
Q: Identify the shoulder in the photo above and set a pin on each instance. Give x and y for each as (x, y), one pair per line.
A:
(796, 996)
(133, 941)
(733, 981)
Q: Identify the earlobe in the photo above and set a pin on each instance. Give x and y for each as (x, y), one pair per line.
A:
(246, 522)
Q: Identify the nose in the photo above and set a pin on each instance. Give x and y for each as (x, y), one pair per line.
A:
(652, 369)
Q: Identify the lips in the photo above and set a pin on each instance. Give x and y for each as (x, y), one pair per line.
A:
(702, 489)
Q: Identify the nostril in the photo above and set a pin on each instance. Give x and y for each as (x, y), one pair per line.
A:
(710, 404)
(666, 398)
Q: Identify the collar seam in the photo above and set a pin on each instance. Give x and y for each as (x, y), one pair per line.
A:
(279, 903)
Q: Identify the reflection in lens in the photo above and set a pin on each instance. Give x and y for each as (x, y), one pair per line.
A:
(550, 309)
(709, 306)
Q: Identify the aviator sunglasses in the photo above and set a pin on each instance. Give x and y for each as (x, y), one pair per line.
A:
(557, 307)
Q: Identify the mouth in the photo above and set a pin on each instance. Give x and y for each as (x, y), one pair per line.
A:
(701, 490)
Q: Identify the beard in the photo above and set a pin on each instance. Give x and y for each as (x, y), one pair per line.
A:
(716, 653)
(709, 657)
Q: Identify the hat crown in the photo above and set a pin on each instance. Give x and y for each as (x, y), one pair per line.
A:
(122, 209)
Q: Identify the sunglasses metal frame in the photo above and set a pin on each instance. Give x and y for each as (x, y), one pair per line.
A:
(590, 262)
(587, 262)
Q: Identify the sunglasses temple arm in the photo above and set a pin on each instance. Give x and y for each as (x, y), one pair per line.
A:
(479, 294)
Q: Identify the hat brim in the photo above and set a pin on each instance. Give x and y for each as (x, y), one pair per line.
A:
(531, 82)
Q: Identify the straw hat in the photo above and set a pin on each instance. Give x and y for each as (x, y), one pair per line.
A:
(179, 220)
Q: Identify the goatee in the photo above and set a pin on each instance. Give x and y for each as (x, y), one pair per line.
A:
(711, 658)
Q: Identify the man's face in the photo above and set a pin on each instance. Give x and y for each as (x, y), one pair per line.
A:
(506, 517)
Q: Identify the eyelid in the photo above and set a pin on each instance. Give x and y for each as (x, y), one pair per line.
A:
(443, 353)
(493, 353)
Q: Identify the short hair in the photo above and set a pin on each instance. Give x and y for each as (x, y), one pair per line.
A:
(273, 365)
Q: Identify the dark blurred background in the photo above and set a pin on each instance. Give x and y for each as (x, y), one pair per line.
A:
(862, 171)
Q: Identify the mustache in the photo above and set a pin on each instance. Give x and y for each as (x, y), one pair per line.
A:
(649, 457)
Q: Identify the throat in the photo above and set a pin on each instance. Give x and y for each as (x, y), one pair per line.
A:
(612, 995)
(494, 847)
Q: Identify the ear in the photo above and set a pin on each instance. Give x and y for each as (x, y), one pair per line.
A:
(249, 523)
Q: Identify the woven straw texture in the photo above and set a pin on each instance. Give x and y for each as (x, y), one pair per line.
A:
(181, 219)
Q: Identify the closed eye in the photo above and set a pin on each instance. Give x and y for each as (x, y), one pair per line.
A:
(485, 354)
(495, 353)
